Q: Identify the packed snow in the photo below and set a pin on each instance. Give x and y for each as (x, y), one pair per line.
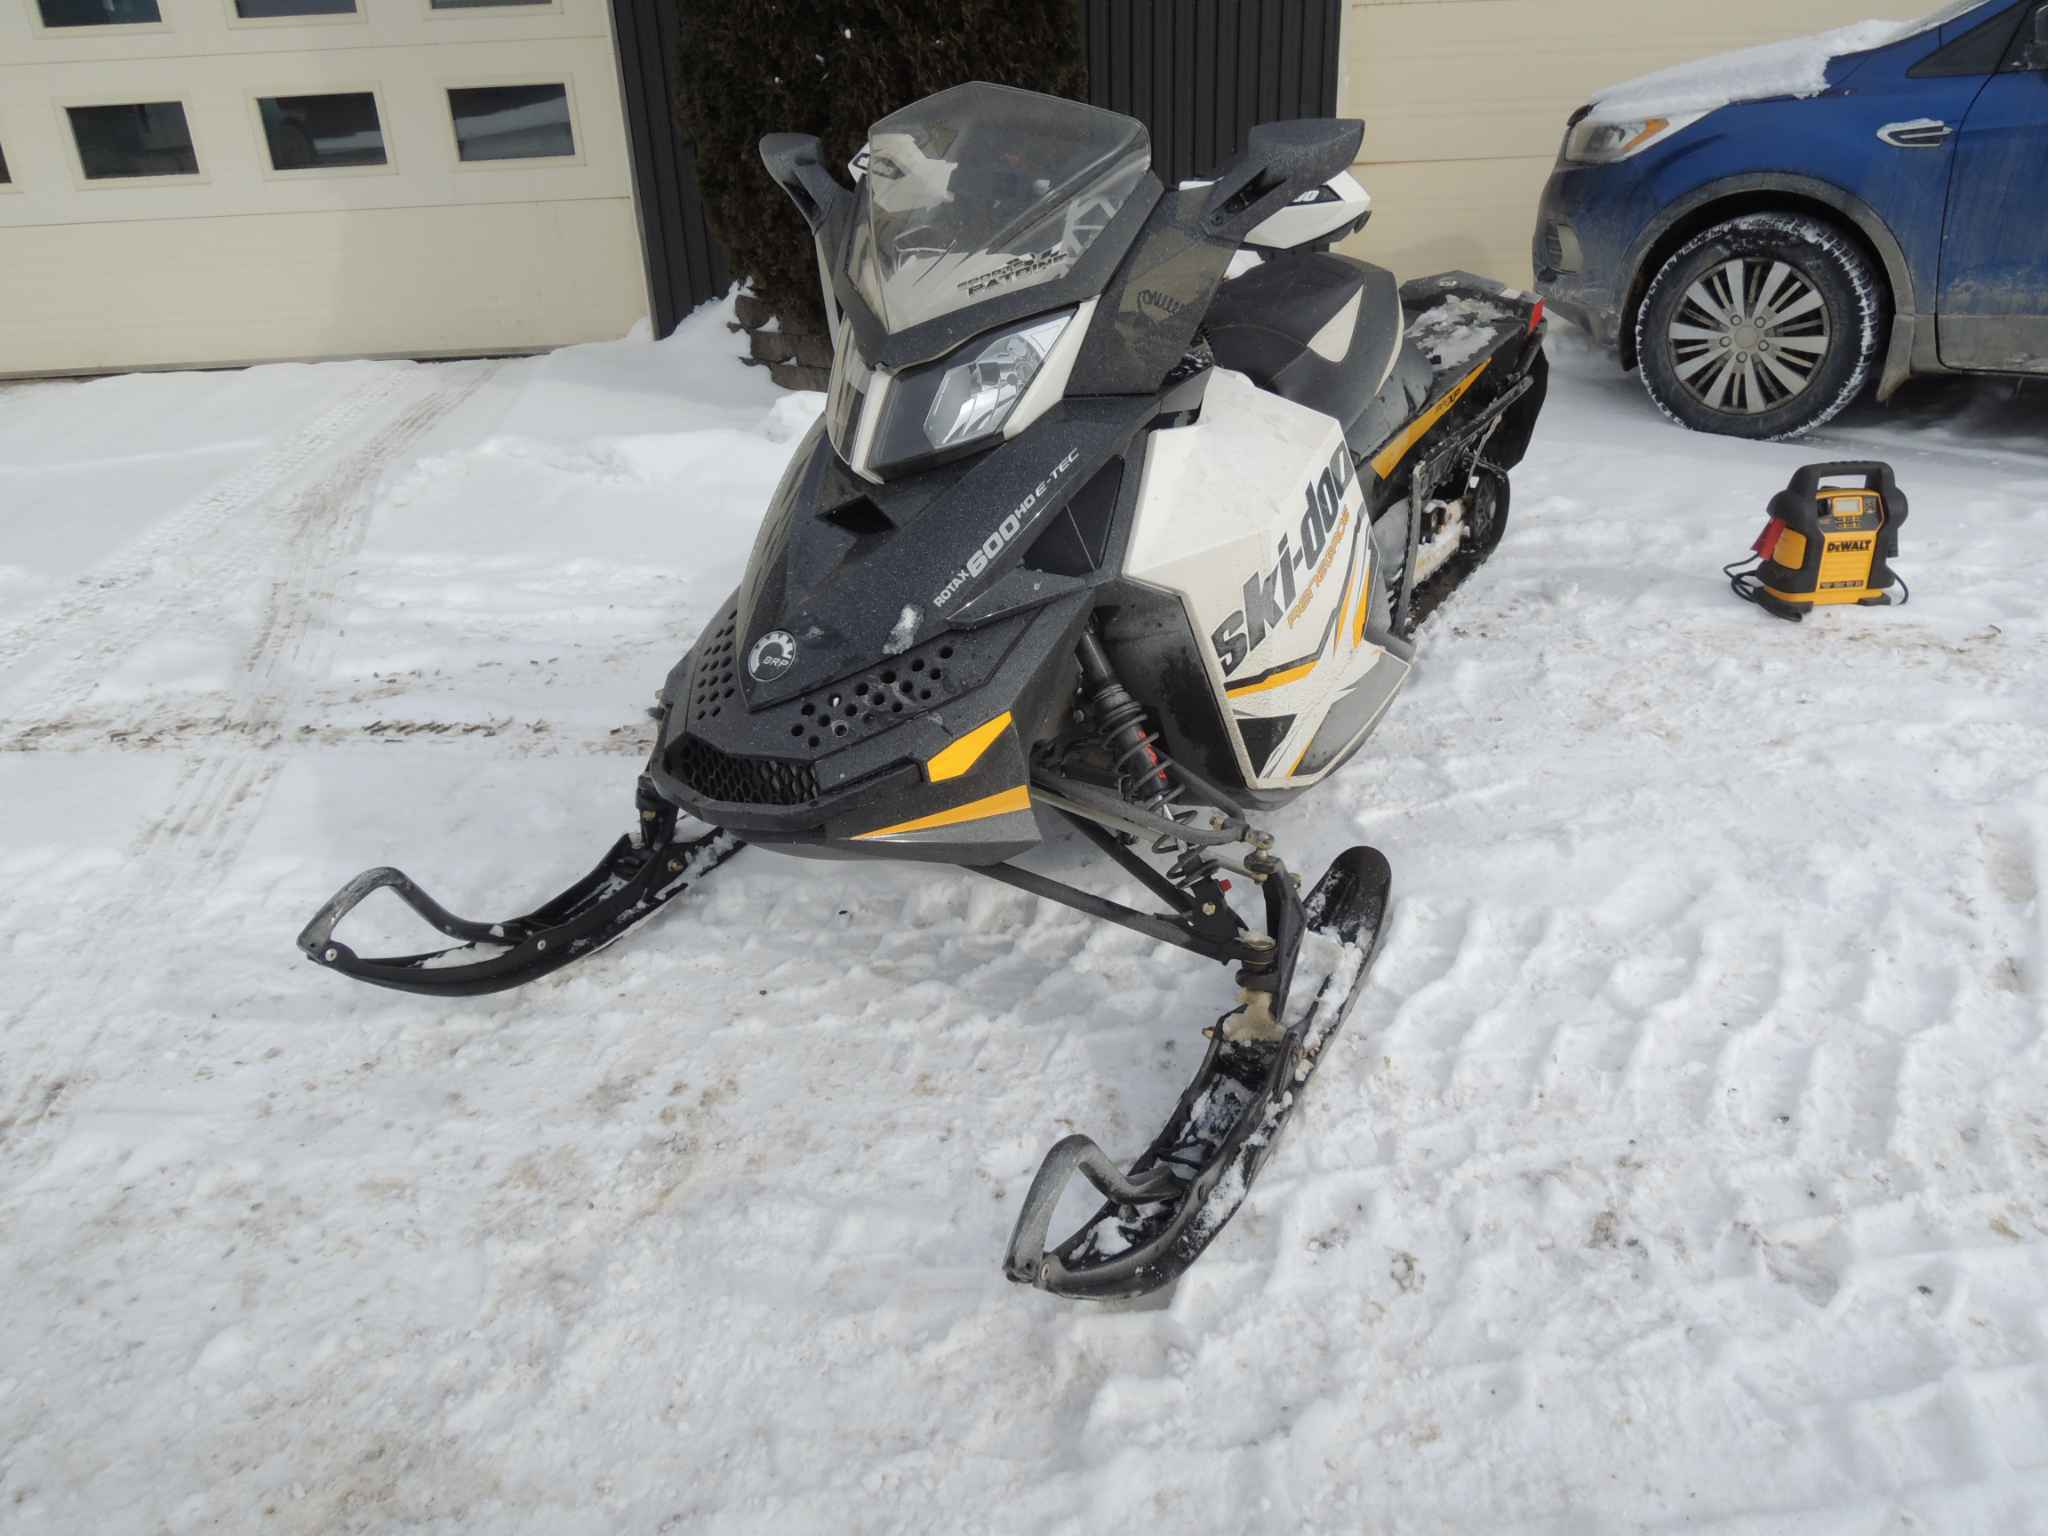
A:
(1796, 67)
(904, 632)
(1454, 332)
(1684, 1166)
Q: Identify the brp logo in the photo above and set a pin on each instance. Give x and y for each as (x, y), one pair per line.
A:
(773, 654)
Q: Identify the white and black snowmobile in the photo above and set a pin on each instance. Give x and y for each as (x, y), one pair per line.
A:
(1088, 530)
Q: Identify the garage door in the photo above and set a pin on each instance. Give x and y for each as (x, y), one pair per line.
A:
(218, 181)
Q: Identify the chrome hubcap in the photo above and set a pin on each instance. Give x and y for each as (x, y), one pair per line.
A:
(1749, 335)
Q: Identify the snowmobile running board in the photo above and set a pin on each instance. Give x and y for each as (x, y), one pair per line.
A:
(1160, 1217)
(630, 883)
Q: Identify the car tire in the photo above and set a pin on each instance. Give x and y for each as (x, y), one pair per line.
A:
(1777, 359)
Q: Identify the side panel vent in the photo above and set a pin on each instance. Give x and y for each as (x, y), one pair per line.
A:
(1076, 540)
(712, 685)
(719, 775)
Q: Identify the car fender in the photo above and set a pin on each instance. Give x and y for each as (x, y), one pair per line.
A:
(1900, 362)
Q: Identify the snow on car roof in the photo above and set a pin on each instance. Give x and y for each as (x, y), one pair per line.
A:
(1796, 67)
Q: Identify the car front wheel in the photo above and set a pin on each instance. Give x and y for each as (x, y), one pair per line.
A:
(1763, 327)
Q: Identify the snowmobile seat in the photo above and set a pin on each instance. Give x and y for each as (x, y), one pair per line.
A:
(1316, 328)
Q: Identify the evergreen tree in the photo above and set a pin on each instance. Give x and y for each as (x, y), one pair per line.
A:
(833, 67)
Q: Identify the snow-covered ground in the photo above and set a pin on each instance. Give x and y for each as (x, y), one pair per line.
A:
(1686, 1165)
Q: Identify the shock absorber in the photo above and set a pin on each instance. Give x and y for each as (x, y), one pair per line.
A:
(1144, 772)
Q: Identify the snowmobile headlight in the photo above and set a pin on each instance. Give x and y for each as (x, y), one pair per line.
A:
(1596, 143)
(967, 397)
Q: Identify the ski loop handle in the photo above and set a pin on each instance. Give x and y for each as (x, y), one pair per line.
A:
(314, 938)
(629, 884)
(1028, 1254)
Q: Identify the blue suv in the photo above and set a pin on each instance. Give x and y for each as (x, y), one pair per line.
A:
(1760, 259)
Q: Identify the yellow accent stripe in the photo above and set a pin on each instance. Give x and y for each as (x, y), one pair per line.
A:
(1018, 799)
(1365, 584)
(1277, 680)
(951, 762)
(1389, 458)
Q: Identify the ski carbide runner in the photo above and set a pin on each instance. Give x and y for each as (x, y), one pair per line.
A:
(629, 884)
(1158, 1220)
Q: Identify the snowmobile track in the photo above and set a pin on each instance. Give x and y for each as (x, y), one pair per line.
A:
(211, 553)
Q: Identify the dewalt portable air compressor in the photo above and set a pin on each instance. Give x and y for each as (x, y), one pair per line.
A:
(1826, 544)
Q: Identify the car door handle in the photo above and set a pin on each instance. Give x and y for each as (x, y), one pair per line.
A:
(1921, 133)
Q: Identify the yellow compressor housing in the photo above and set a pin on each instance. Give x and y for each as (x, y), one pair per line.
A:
(1827, 544)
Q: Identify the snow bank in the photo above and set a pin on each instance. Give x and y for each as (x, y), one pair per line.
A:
(1797, 67)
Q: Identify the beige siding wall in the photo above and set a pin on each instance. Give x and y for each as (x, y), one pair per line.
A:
(425, 255)
(1465, 102)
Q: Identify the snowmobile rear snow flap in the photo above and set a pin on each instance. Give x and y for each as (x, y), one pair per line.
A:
(1090, 536)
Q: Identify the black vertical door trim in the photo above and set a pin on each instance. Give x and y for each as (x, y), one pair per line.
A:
(1203, 80)
(1189, 96)
(685, 264)
(1200, 73)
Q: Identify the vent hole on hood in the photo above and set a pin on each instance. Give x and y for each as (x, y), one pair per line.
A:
(861, 518)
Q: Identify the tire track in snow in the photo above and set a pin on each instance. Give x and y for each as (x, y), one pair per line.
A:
(82, 609)
(322, 526)
(290, 529)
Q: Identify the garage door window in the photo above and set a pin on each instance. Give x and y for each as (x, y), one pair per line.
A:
(265, 10)
(147, 138)
(511, 122)
(308, 133)
(98, 13)
(478, 5)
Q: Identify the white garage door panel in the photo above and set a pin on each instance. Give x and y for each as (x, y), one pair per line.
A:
(219, 95)
(424, 255)
(210, 27)
(409, 282)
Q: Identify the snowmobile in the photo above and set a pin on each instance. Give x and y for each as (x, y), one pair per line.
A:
(1093, 530)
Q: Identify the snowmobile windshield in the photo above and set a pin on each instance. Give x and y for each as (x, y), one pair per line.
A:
(983, 190)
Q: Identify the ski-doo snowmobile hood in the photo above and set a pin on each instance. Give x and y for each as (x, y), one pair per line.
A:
(876, 627)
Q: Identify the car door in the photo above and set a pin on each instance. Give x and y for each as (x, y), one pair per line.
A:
(1994, 256)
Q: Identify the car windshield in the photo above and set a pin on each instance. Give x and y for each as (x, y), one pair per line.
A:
(983, 190)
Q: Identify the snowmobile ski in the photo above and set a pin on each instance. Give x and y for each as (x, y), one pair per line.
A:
(1158, 1218)
(635, 879)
